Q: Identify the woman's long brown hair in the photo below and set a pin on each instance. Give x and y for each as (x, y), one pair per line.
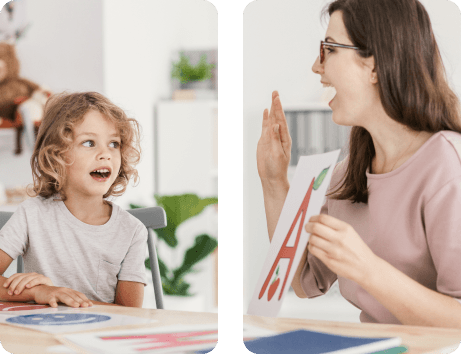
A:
(412, 82)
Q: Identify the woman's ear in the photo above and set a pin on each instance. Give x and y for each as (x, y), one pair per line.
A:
(369, 65)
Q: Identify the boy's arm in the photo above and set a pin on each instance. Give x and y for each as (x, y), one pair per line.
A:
(28, 295)
(129, 293)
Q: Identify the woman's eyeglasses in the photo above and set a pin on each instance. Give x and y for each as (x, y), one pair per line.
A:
(324, 44)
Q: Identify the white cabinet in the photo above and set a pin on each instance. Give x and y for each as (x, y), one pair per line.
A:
(186, 161)
(186, 147)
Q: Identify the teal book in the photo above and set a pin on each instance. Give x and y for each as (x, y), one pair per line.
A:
(397, 350)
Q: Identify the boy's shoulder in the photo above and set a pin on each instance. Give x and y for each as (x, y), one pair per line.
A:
(125, 218)
(36, 208)
(37, 203)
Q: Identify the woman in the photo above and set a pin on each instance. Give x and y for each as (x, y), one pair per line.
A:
(390, 231)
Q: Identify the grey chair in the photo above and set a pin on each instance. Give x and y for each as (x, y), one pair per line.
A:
(152, 218)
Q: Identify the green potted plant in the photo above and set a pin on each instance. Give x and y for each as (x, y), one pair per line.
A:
(189, 75)
(180, 208)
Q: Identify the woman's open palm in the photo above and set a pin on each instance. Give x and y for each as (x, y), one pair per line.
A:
(274, 146)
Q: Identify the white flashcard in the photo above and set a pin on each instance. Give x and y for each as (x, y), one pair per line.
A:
(169, 339)
(61, 349)
(25, 308)
(305, 199)
(73, 320)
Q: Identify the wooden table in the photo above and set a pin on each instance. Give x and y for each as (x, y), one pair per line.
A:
(26, 341)
(418, 340)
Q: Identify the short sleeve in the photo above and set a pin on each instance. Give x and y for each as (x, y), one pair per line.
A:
(14, 234)
(133, 267)
(442, 220)
(316, 277)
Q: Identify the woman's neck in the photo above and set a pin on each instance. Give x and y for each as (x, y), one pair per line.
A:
(92, 211)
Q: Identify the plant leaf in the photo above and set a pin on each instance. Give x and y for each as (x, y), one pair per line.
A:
(204, 245)
(320, 178)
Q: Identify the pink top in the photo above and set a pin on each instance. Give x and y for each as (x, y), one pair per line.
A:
(412, 220)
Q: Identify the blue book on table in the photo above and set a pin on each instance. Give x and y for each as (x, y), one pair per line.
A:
(310, 342)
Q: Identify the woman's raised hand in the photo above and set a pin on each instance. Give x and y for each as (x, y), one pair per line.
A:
(274, 146)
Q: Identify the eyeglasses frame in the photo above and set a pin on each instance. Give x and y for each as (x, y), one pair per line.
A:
(331, 44)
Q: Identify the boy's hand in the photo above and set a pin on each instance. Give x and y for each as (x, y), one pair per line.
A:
(51, 295)
(17, 282)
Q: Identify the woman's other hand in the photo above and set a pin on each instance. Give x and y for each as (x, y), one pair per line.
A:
(51, 295)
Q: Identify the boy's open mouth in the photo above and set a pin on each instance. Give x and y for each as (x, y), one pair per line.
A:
(100, 175)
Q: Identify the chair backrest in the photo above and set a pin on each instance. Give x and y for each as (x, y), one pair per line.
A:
(152, 218)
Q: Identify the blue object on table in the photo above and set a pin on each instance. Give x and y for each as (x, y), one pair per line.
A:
(304, 341)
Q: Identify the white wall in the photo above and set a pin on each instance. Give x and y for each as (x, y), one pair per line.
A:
(281, 42)
(63, 47)
(62, 50)
(139, 43)
(123, 51)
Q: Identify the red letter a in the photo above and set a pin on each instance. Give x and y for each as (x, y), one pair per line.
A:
(289, 252)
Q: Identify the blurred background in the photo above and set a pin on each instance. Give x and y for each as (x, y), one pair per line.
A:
(281, 43)
(158, 61)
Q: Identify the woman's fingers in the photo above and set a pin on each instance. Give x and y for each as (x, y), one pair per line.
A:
(269, 116)
(330, 221)
(279, 115)
(265, 119)
(272, 111)
(321, 230)
(281, 120)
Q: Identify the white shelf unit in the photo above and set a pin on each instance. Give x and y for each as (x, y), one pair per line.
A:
(186, 140)
(313, 131)
(186, 161)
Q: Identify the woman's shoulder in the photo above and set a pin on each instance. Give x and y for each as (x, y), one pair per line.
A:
(339, 171)
(450, 140)
(341, 166)
(446, 144)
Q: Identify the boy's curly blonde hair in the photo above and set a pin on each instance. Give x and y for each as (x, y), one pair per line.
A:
(62, 113)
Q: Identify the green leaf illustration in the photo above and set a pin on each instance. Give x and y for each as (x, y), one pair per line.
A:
(320, 178)
(276, 275)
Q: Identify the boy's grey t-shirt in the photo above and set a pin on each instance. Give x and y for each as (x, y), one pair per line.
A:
(87, 258)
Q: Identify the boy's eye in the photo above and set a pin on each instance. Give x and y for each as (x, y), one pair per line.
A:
(115, 144)
(92, 142)
(88, 143)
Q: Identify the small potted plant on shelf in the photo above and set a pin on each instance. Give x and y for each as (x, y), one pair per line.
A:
(194, 80)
